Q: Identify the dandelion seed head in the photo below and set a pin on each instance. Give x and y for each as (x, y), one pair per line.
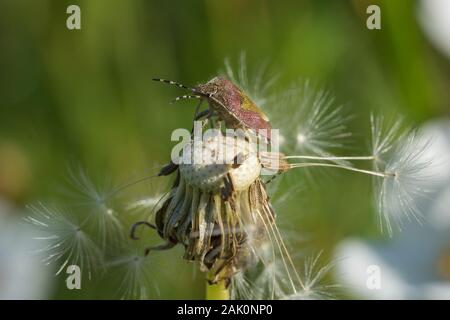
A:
(217, 154)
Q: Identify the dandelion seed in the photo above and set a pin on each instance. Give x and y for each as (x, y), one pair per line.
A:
(266, 278)
(403, 174)
(241, 288)
(273, 280)
(135, 272)
(96, 204)
(384, 135)
(94, 198)
(146, 206)
(65, 240)
(257, 85)
(402, 155)
(409, 181)
(313, 279)
(318, 126)
(150, 198)
(83, 190)
(145, 203)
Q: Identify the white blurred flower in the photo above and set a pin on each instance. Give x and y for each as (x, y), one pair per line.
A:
(433, 16)
(22, 275)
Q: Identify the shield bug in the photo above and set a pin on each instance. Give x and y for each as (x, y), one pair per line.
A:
(229, 103)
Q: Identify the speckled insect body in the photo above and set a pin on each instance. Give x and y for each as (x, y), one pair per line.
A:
(230, 104)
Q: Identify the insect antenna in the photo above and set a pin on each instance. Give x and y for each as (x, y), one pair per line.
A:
(179, 85)
(185, 97)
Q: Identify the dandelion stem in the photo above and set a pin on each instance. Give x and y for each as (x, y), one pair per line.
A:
(217, 291)
(313, 164)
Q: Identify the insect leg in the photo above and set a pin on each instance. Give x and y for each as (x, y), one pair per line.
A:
(168, 169)
(228, 189)
(137, 224)
(238, 160)
(204, 113)
(218, 125)
(197, 109)
(273, 177)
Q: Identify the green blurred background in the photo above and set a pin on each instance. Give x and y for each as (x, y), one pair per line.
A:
(87, 96)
